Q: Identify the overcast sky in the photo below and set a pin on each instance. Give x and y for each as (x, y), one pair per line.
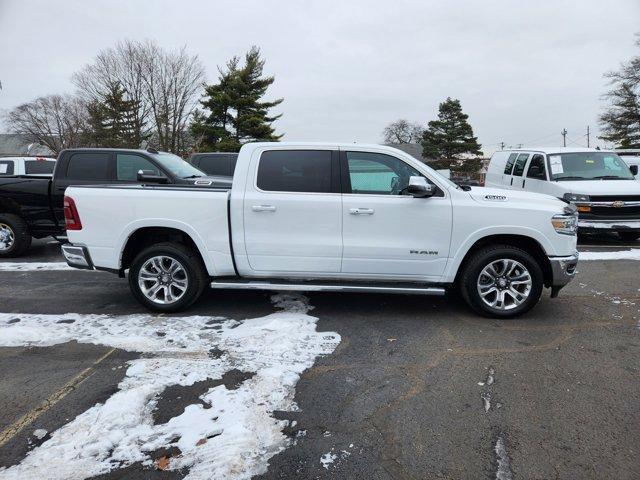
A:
(347, 68)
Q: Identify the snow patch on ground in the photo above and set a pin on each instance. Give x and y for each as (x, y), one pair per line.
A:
(33, 266)
(40, 433)
(327, 459)
(633, 254)
(504, 466)
(234, 438)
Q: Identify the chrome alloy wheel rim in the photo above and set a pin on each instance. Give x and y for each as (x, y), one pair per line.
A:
(163, 280)
(7, 237)
(504, 284)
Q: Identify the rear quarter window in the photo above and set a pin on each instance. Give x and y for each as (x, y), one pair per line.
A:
(218, 165)
(35, 167)
(295, 171)
(510, 161)
(88, 166)
(6, 167)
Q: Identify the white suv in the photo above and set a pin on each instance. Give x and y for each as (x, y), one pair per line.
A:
(598, 182)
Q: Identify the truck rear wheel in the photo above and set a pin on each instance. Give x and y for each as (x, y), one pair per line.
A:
(15, 238)
(167, 277)
(501, 281)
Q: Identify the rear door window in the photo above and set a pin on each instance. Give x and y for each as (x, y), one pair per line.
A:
(38, 167)
(128, 165)
(510, 161)
(295, 171)
(518, 168)
(88, 166)
(6, 167)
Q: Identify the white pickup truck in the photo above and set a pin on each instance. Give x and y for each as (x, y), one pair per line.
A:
(330, 217)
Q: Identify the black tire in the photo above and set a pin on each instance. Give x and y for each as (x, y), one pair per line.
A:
(19, 231)
(629, 236)
(189, 260)
(468, 280)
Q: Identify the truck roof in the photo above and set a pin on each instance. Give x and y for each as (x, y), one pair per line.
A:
(341, 145)
(556, 150)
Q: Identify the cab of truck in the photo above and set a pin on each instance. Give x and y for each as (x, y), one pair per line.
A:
(598, 182)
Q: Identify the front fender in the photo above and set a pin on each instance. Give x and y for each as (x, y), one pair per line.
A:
(462, 250)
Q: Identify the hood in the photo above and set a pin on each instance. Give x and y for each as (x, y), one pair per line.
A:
(519, 198)
(600, 187)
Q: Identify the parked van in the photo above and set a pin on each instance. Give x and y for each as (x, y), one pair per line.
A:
(598, 182)
(631, 157)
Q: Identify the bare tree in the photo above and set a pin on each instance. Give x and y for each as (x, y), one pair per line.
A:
(173, 81)
(402, 131)
(57, 121)
(121, 65)
(165, 86)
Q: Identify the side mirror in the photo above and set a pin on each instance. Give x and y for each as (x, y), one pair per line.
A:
(419, 187)
(634, 169)
(149, 176)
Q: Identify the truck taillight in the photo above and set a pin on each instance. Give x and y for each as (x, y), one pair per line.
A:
(71, 216)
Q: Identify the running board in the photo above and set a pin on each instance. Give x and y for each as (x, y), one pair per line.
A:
(327, 287)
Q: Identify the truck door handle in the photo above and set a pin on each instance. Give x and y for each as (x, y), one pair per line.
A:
(263, 208)
(361, 211)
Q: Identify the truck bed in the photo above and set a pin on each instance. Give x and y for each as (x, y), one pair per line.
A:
(201, 212)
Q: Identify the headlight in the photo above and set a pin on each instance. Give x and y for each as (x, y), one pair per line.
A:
(579, 200)
(576, 197)
(565, 224)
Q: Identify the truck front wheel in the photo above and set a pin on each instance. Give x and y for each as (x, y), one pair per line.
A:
(501, 281)
(15, 238)
(167, 277)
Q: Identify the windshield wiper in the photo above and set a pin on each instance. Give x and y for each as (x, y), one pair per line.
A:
(571, 178)
(193, 176)
(610, 177)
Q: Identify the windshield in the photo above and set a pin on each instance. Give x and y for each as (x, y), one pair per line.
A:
(178, 166)
(588, 166)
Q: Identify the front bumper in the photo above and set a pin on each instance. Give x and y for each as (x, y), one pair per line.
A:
(77, 256)
(563, 269)
(586, 226)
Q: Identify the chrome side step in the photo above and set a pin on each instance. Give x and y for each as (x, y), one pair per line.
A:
(327, 287)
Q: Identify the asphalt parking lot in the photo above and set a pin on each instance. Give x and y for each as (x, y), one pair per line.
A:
(416, 388)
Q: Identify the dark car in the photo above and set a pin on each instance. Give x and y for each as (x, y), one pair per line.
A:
(218, 163)
(33, 205)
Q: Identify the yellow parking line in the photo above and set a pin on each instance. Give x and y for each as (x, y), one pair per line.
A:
(32, 415)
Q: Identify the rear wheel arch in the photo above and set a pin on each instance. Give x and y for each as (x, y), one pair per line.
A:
(145, 237)
(528, 244)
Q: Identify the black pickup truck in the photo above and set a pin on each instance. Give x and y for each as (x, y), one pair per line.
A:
(32, 206)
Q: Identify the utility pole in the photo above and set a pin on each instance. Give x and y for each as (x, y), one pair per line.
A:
(564, 137)
(501, 145)
(588, 137)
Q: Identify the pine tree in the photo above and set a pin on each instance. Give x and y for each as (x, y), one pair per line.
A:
(449, 140)
(234, 113)
(621, 121)
(113, 121)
